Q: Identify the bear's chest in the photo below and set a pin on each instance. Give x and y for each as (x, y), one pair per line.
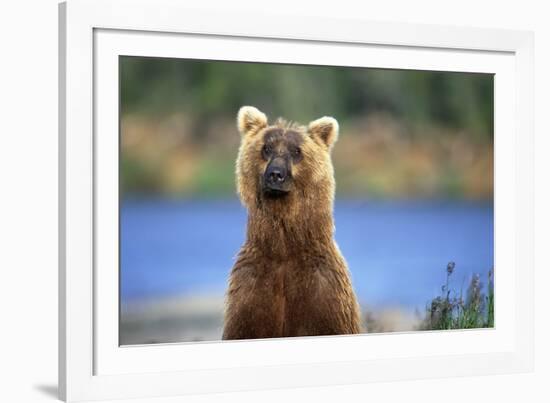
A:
(294, 278)
(298, 286)
(304, 296)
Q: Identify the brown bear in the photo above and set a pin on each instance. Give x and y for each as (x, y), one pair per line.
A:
(289, 278)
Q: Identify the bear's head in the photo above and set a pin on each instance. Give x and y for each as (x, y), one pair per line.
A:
(285, 165)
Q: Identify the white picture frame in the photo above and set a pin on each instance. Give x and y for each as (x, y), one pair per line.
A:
(91, 363)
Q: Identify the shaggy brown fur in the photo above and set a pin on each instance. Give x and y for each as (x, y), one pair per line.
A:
(289, 278)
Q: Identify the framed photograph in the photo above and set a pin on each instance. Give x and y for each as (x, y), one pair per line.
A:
(251, 202)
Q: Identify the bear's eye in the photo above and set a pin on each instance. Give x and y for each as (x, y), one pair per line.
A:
(296, 154)
(266, 150)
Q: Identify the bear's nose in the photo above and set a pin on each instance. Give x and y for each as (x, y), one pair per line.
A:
(276, 175)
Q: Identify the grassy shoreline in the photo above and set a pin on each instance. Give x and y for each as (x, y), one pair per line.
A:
(200, 318)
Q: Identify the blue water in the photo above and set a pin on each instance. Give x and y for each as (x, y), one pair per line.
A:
(397, 251)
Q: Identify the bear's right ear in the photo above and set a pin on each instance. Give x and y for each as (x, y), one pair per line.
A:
(250, 120)
(325, 129)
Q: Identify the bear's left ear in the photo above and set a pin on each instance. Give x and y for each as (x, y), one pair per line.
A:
(325, 129)
(250, 120)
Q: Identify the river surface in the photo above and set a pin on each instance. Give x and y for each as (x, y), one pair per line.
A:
(397, 251)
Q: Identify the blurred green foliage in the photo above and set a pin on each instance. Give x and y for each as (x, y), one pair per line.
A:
(205, 89)
(436, 112)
